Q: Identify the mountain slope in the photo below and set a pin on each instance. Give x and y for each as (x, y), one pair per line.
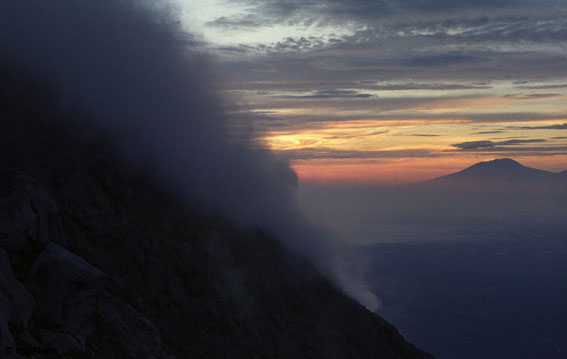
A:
(487, 191)
(499, 170)
(99, 261)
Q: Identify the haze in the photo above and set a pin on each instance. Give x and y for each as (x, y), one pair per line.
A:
(292, 117)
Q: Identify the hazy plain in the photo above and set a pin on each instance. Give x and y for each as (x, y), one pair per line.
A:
(463, 273)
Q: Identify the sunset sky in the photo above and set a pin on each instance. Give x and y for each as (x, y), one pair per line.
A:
(392, 91)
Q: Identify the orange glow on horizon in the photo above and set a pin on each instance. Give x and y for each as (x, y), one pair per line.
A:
(375, 172)
(376, 143)
(402, 171)
(468, 104)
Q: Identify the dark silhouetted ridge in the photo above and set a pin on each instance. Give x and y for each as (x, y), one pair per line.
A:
(503, 170)
(491, 190)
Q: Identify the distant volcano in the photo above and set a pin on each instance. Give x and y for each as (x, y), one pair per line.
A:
(500, 171)
(501, 188)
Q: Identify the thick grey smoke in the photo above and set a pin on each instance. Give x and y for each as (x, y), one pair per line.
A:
(136, 74)
(129, 65)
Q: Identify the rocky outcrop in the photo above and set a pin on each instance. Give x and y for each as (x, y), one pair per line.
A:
(67, 289)
(62, 298)
(16, 303)
(26, 212)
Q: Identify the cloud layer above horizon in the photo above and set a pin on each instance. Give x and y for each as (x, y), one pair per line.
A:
(305, 67)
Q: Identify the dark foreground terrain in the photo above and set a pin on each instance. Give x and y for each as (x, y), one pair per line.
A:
(97, 261)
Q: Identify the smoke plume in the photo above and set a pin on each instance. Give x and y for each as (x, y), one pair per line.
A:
(130, 66)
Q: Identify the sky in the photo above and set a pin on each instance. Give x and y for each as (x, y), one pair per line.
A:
(356, 92)
(391, 91)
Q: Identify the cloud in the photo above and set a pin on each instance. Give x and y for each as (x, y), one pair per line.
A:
(478, 21)
(532, 96)
(142, 79)
(382, 109)
(487, 132)
(331, 153)
(128, 65)
(235, 49)
(417, 135)
(369, 10)
(475, 145)
(326, 94)
(238, 22)
(541, 87)
(295, 44)
(425, 86)
(550, 127)
(466, 40)
(329, 85)
(446, 59)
